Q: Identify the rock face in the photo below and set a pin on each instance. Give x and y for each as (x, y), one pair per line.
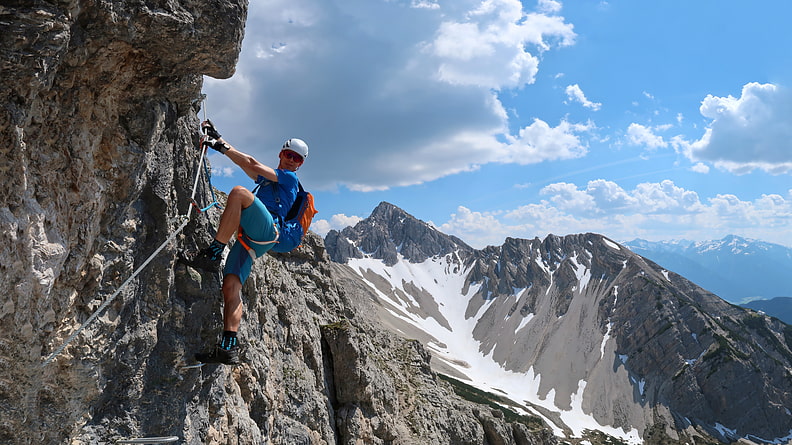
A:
(637, 346)
(99, 128)
(389, 232)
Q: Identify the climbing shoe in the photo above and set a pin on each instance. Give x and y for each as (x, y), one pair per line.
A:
(206, 259)
(220, 355)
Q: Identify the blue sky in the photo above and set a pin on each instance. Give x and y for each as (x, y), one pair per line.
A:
(655, 120)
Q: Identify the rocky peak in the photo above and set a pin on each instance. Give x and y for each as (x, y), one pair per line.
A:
(386, 211)
(389, 232)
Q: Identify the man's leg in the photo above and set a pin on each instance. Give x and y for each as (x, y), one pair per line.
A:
(240, 198)
(227, 351)
(209, 258)
(255, 218)
(232, 302)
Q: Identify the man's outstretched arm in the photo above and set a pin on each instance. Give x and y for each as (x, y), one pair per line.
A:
(249, 164)
(253, 168)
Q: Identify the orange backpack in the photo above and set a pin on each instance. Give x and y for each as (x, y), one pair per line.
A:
(297, 221)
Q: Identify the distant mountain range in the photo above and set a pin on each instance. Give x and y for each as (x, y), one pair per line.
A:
(581, 331)
(737, 269)
(779, 307)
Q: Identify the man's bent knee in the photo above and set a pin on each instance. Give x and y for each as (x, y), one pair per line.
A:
(241, 194)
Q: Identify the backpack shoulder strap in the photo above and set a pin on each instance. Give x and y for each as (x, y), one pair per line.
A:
(264, 181)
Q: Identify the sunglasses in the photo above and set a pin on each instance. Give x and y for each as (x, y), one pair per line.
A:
(292, 155)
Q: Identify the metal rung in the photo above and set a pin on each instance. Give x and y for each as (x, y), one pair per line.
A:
(166, 439)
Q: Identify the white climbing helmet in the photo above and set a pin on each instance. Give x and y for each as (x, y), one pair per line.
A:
(296, 145)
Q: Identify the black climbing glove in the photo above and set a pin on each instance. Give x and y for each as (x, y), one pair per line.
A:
(209, 129)
(214, 144)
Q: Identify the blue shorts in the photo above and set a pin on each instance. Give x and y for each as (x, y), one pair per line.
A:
(257, 224)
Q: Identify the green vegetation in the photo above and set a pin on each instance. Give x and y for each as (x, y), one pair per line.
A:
(681, 371)
(291, 373)
(668, 325)
(723, 353)
(600, 438)
(476, 395)
(753, 321)
(757, 323)
(656, 435)
(649, 281)
(342, 325)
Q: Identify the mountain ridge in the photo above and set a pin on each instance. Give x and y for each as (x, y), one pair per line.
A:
(779, 307)
(735, 268)
(671, 342)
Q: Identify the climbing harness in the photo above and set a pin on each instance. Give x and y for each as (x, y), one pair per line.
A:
(244, 239)
(185, 221)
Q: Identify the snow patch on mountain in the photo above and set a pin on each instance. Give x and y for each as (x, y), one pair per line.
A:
(779, 440)
(611, 244)
(605, 340)
(582, 274)
(453, 339)
(523, 323)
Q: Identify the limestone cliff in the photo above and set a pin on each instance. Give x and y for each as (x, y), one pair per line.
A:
(98, 123)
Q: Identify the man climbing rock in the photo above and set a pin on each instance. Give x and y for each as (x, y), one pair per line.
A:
(256, 219)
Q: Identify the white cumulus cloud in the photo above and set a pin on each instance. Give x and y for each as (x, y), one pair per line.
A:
(750, 132)
(489, 47)
(540, 142)
(390, 93)
(336, 222)
(652, 210)
(700, 167)
(643, 136)
(575, 94)
(483, 227)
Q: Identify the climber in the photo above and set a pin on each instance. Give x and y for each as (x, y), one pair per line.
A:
(256, 219)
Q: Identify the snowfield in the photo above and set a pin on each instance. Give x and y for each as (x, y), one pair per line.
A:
(458, 348)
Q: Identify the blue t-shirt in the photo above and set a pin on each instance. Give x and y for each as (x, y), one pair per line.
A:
(279, 196)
